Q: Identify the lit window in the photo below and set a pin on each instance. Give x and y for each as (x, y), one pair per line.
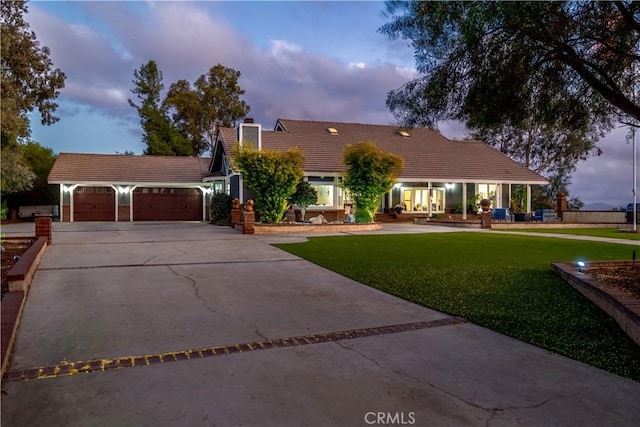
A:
(325, 194)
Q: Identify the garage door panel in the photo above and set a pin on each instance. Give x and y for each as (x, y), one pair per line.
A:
(94, 204)
(167, 204)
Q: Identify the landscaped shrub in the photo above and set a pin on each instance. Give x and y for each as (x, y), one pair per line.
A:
(221, 209)
(4, 210)
(370, 174)
(304, 196)
(272, 176)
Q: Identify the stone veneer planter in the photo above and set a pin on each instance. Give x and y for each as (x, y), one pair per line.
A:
(19, 278)
(314, 228)
(623, 309)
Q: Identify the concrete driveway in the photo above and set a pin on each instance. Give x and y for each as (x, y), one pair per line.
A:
(188, 324)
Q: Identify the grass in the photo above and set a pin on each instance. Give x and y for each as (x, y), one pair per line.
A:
(595, 232)
(503, 282)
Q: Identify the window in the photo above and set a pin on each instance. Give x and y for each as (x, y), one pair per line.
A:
(249, 135)
(487, 191)
(418, 199)
(325, 194)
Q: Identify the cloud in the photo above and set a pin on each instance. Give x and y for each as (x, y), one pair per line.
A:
(283, 80)
(607, 178)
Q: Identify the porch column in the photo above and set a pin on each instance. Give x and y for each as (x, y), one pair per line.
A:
(61, 211)
(464, 200)
(498, 195)
(71, 190)
(528, 197)
(131, 202)
(510, 196)
(205, 191)
(389, 199)
(117, 197)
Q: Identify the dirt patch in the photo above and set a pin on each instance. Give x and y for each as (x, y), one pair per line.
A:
(13, 250)
(623, 277)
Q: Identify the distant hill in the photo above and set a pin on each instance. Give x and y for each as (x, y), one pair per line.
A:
(598, 207)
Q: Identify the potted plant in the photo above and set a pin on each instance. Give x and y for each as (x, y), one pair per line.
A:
(485, 204)
(248, 206)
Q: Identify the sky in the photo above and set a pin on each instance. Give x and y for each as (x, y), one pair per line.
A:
(298, 60)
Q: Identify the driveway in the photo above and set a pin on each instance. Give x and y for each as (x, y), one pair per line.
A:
(188, 324)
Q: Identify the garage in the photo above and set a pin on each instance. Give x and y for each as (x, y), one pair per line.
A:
(167, 204)
(108, 187)
(94, 204)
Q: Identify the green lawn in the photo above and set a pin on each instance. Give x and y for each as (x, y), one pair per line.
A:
(503, 282)
(596, 232)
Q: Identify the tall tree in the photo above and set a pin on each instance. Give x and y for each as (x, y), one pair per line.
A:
(213, 101)
(29, 81)
(40, 160)
(159, 133)
(187, 113)
(481, 60)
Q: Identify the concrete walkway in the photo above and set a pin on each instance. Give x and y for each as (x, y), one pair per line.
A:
(188, 324)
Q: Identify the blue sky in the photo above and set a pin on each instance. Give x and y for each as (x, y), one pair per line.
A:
(298, 59)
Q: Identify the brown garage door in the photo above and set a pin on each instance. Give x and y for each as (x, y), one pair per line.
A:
(167, 204)
(94, 204)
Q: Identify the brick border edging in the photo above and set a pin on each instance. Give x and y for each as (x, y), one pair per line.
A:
(14, 300)
(12, 305)
(20, 275)
(314, 228)
(611, 301)
(101, 365)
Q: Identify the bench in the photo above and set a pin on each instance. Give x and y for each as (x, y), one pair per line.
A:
(545, 215)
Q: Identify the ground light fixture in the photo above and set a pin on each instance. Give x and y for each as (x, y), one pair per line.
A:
(580, 265)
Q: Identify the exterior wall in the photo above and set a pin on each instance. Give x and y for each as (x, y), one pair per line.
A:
(123, 213)
(602, 217)
(234, 184)
(329, 214)
(66, 213)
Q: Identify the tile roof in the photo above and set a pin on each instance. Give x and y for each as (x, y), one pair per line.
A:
(427, 154)
(120, 169)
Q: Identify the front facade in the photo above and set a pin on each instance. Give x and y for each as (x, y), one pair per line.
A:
(438, 175)
(102, 187)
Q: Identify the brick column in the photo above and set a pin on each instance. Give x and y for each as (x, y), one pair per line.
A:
(236, 216)
(485, 220)
(562, 204)
(249, 218)
(44, 228)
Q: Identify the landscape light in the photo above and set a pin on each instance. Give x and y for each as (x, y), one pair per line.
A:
(581, 265)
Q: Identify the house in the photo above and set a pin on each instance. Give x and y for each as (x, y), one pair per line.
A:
(438, 175)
